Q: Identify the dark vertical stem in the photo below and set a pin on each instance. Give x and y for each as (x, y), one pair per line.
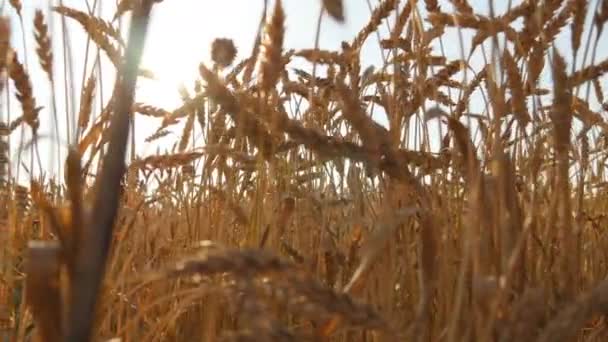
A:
(91, 262)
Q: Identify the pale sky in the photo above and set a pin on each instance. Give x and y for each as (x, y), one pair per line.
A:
(179, 38)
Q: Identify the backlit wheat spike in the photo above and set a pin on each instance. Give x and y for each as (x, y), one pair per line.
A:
(335, 8)
(402, 20)
(493, 27)
(272, 47)
(189, 106)
(470, 88)
(533, 22)
(588, 73)
(217, 91)
(462, 6)
(123, 7)
(599, 93)
(239, 262)
(448, 71)
(583, 112)
(167, 161)
(554, 26)
(16, 4)
(382, 11)
(157, 135)
(186, 132)
(321, 56)
(431, 6)
(94, 22)
(22, 200)
(86, 102)
(561, 113)
(601, 17)
(97, 30)
(372, 134)
(524, 9)
(44, 51)
(5, 35)
(24, 93)
(536, 63)
(201, 117)
(149, 110)
(236, 70)
(223, 52)
(14, 124)
(514, 80)
(473, 21)
(579, 12)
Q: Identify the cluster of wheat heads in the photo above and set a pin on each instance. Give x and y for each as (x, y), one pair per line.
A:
(296, 216)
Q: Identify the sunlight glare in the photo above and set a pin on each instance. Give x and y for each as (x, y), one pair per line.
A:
(182, 40)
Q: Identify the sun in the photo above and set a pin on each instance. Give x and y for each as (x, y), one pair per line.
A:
(180, 38)
(169, 74)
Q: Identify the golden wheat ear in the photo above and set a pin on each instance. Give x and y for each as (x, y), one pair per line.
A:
(67, 222)
(59, 222)
(43, 42)
(5, 36)
(335, 9)
(272, 47)
(25, 96)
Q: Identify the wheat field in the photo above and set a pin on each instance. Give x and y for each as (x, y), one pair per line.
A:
(285, 210)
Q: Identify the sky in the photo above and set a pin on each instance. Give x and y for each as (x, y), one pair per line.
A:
(179, 39)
